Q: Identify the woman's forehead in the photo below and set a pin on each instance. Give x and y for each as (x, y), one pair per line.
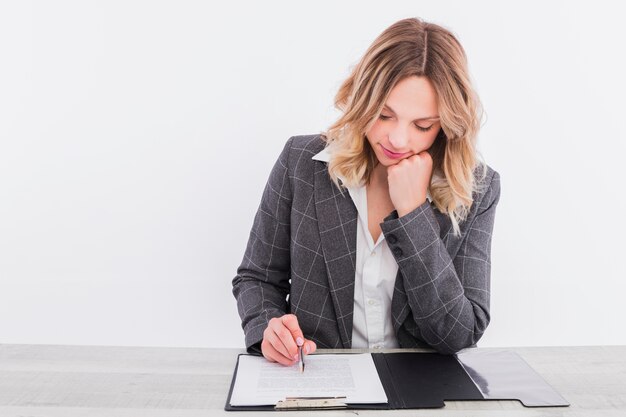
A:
(414, 98)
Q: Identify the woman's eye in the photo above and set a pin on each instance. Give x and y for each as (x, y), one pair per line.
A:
(423, 129)
(420, 128)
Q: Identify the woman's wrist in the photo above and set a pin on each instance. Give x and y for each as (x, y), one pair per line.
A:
(403, 211)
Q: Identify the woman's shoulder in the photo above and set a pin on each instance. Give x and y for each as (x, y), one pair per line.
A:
(299, 157)
(487, 189)
(301, 153)
(302, 145)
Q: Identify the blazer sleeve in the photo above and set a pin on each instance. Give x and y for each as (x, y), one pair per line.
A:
(262, 283)
(448, 298)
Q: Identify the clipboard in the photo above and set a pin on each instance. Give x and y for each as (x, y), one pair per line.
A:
(414, 380)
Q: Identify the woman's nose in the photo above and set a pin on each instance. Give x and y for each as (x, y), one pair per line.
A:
(399, 138)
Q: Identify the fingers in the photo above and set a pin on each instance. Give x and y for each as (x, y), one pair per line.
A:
(273, 337)
(309, 347)
(281, 339)
(290, 334)
(426, 157)
(272, 355)
(423, 156)
(422, 161)
(291, 322)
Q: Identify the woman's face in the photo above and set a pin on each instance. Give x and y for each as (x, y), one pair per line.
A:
(408, 123)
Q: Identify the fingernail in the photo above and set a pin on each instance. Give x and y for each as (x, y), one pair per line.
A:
(299, 341)
(295, 357)
(306, 349)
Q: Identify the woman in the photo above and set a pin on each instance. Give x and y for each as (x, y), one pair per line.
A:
(377, 233)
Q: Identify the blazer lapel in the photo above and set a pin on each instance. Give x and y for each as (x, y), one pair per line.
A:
(337, 219)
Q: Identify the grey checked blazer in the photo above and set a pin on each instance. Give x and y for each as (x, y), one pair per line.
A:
(301, 254)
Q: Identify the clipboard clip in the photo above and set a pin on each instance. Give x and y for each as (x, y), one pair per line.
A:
(311, 403)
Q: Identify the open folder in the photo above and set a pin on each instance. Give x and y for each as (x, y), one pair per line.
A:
(397, 380)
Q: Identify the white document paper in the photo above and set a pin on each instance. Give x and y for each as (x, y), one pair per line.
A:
(260, 382)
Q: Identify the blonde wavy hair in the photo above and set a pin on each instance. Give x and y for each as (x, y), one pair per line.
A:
(412, 47)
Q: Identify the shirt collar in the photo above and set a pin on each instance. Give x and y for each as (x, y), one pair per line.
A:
(324, 156)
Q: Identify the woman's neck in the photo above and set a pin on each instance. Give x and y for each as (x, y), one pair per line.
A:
(378, 178)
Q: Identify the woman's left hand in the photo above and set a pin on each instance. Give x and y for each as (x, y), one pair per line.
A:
(408, 182)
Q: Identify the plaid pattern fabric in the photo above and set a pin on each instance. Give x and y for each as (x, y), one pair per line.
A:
(301, 254)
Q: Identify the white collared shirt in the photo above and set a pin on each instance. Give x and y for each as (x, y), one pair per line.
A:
(375, 277)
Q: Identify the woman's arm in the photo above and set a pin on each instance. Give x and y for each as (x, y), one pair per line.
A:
(262, 281)
(449, 298)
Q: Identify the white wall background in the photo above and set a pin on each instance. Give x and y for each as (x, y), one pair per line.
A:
(136, 138)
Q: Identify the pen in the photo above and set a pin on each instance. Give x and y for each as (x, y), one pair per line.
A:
(301, 359)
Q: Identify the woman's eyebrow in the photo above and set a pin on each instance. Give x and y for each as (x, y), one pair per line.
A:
(416, 120)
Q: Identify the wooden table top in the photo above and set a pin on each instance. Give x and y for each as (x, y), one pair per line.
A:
(52, 380)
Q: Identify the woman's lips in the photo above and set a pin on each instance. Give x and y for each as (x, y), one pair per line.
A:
(393, 155)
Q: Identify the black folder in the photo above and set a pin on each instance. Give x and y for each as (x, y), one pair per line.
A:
(426, 380)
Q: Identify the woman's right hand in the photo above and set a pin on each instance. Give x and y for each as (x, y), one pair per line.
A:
(281, 340)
